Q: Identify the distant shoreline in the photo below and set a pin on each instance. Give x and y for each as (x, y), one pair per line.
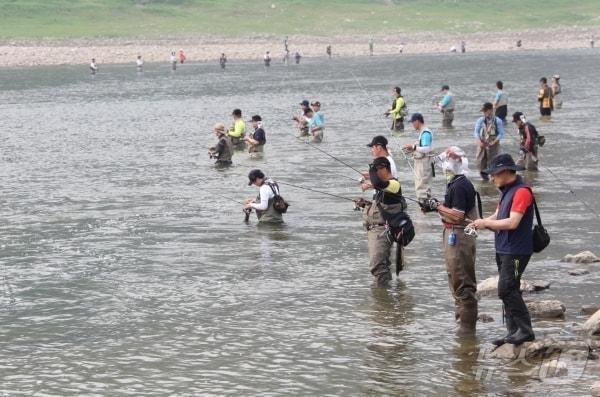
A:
(119, 51)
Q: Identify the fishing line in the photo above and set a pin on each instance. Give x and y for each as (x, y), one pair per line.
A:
(324, 152)
(315, 191)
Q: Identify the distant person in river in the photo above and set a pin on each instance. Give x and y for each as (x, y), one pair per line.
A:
(173, 60)
(545, 98)
(256, 141)
(422, 151)
(488, 132)
(223, 151)
(140, 64)
(223, 61)
(398, 110)
(300, 118)
(530, 142)
(182, 56)
(463, 47)
(500, 102)
(519, 43)
(267, 59)
(263, 205)
(318, 114)
(297, 57)
(556, 92)
(371, 46)
(237, 131)
(328, 51)
(446, 106)
(512, 223)
(93, 66)
(315, 125)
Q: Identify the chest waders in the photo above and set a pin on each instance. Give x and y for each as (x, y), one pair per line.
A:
(269, 215)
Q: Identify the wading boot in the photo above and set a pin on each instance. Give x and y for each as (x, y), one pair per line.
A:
(525, 332)
(511, 327)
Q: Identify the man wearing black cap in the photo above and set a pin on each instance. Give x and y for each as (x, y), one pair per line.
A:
(423, 163)
(301, 119)
(489, 130)
(257, 141)
(528, 153)
(263, 204)
(512, 222)
(238, 130)
(388, 198)
(378, 147)
(446, 106)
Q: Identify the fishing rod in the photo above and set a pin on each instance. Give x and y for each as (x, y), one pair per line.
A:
(314, 190)
(335, 173)
(372, 103)
(246, 211)
(330, 155)
(569, 188)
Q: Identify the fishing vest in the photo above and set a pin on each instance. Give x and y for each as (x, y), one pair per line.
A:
(418, 155)
(270, 215)
(450, 106)
(392, 203)
(546, 97)
(487, 132)
(520, 240)
(225, 156)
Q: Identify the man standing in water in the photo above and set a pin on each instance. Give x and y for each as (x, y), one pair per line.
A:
(315, 125)
(140, 64)
(397, 111)
(459, 208)
(224, 150)
(300, 118)
(501, 102)
(182, 56)
(528, 153)
(93, 66)
(512, 222)
(446, 107)
(545, 98)
(173, 60)
(387, 198)
(267, 59)
(556, 92)
(256, 142)
(263, 204)
(328, 51)
(371, 45)
(223, 61)
(421, 150)
(489, 129)
(238, 130)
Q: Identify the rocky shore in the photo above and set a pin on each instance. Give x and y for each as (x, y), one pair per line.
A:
(80, 51)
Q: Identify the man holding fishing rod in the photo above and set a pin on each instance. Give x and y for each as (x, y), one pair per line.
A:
(457, 210)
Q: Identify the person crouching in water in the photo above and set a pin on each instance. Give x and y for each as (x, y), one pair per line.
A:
(237, 131)
(512, 222)
(263, 204)
(387, 198)
(224, 149)
(256, 142)
(458, 209)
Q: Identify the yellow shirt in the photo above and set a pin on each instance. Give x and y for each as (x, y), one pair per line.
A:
(396, 111)
(393, 187)
(238, 130)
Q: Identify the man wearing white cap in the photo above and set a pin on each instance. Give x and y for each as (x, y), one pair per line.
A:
(459, 208)
(556, 91)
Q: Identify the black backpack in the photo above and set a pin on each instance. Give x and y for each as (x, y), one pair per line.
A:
(400, 226)
(279, 203)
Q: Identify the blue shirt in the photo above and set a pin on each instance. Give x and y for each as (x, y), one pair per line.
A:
(499, 127)
(426, 138)
(445, 100)
(315, 121)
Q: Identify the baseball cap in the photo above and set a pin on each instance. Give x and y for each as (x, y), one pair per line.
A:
(378, 140)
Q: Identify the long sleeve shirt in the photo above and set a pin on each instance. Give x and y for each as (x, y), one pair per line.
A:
(481, 120)
(266, 194)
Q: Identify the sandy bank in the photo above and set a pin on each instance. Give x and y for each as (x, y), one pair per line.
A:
(80, 51)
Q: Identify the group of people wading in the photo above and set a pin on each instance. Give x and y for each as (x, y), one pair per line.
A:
(385, 217)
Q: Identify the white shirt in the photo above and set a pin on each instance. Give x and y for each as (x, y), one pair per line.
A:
(266, 194)
(393, 166)
(139, 62)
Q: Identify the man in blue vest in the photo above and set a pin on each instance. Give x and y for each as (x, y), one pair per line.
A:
(489, 130)
(422, 156)
(513, 223)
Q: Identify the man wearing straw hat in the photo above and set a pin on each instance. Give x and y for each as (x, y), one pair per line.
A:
(224, 149)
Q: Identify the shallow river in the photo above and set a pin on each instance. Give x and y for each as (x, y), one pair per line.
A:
(124, 273)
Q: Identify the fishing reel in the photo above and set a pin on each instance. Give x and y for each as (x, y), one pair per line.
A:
(429, 205)
(359, 204)
(471, 232)
(247, 211)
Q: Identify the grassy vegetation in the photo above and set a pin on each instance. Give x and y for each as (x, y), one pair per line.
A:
(178, 18)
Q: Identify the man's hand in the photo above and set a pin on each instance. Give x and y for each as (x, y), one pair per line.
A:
(478, 224)
(408, 148)
(366, 186)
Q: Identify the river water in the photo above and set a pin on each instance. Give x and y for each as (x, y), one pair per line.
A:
(124, 273)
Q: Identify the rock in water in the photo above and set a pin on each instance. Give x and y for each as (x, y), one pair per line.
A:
(578, 272)
(489, 286)
(538, 348)
(588, 310)
(595, 389)
(592, 325)
(485, 318)
(582, 257)
(546, 309)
